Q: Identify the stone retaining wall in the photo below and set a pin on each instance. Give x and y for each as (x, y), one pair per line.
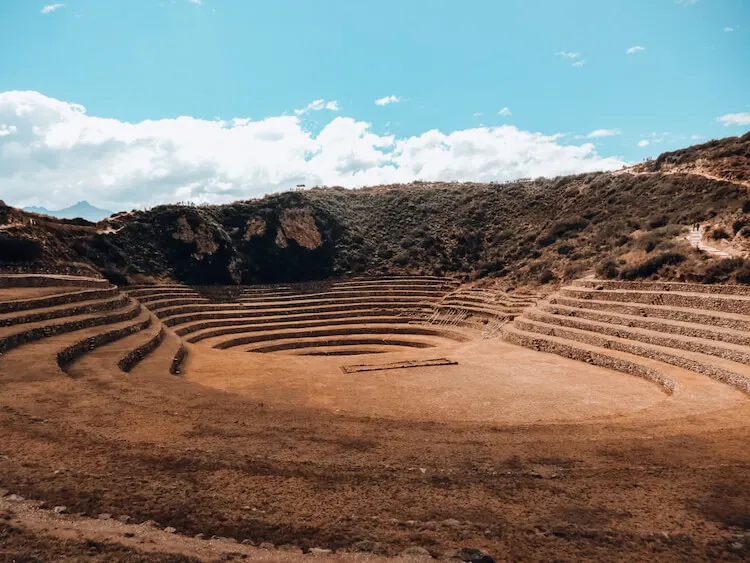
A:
(740, 337)
(68, 355)
(657, 339)
(667, 384)
(178, 359)
(694, 316)
(665, 287)
(626, 346)
(54, 300)
(17, 339)
(132, 358)
(37, 316)
(40, 280)
(728, 304)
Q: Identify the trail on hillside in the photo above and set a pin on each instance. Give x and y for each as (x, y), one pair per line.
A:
(676, 172)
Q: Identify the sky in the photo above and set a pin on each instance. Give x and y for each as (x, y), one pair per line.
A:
(132, 103)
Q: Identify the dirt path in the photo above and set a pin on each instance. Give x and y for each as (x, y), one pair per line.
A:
(696, 240)
(692, 172)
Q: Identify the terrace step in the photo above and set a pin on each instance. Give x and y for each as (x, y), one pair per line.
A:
(145, 299)
(733, 352)
(663, 286)
(96, 339)
(14, 336)
(50, 280)
(161, 360)
(339, 294)
(727, 371)
(691, 300)
(59, 311)
(698, 316)
(349, 350)
(226, 317)
(322, 302)
(354, 341)
(166, 312)
(201, 332)
(239, 326)
(696, 329)
(122, 346)
(62, 297)
(481, 311)
(163, 304)
(595, 355)
(363, 329)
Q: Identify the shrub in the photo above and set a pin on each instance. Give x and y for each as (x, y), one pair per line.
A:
(607, 269)
(652, 266)
(719, 234)
(19, 250)
(654, 222)
(737, 226)
(721, 271)
(547, 276)
(564, 249)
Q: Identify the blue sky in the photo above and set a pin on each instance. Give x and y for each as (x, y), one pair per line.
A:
(558, 66)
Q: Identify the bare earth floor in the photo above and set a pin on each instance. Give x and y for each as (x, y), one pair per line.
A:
(493, 382)
(522, 455)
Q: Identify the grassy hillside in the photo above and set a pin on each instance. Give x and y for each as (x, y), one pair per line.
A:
(623, 224)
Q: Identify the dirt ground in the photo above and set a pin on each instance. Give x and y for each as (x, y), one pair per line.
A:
(552, 463)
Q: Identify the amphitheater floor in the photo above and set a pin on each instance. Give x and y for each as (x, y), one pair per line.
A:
(492, 382)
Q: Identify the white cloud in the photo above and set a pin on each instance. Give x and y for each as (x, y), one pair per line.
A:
(728, 29)
(51, 8)
(59, 154)
(388, 100)
(6, 130)
(604, 133)
(643, 143)
(505, 111)
(569, 54)
(579, 63)
(318, 105)
(477, 114)
(734, 119)
(635, 49)
(696, 137)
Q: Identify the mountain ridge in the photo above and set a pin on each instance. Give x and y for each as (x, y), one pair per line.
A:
(82, 209)
(628, 223)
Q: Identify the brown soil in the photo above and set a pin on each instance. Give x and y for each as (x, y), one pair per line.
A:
(519, 454)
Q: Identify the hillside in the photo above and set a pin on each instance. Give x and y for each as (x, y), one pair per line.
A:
(628, 224)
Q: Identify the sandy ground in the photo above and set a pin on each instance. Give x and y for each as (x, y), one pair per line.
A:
(521, 455)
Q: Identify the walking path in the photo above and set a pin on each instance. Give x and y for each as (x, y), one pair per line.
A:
(695, 240)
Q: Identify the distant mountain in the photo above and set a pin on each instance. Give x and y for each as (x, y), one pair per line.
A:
(82, 209)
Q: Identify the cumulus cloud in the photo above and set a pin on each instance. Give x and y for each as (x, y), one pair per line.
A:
(51, 8)
(318, 105)
(643, 143)
(387, 100)
(635, 49)
(734, 119)
(505, 111)
(579, 63)
(728, 29)
(56, 154)
(569, 54)
(604, 133)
